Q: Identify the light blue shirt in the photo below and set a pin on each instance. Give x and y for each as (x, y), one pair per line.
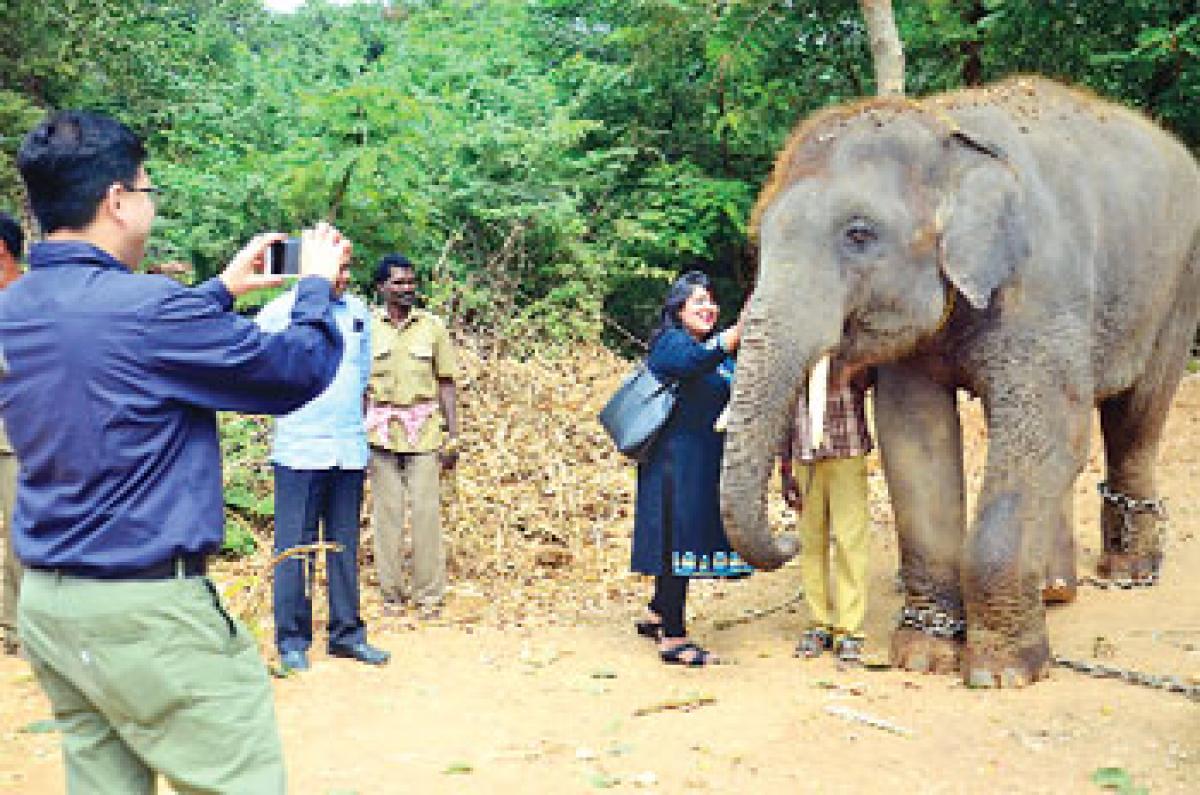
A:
(328, 431)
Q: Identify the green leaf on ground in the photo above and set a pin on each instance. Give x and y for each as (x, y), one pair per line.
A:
(601, 780)
(458, 769)
(1113, 778)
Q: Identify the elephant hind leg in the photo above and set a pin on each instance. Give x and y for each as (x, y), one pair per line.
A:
(1132, 423)
(1131, 539)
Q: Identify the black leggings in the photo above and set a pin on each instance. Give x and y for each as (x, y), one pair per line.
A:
(669, 602)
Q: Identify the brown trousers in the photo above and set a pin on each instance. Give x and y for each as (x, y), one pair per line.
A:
(407, 519)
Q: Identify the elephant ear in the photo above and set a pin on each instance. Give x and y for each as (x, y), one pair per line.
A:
(984, 228)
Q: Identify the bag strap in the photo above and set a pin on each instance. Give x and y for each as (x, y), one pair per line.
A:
(671, 384)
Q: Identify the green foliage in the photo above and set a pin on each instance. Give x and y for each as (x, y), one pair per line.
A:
(249, 485)
(17, 114)
(546, 162)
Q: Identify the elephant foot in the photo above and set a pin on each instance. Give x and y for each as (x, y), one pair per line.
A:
(914, 650)
(992, 665)
(1059, 591)
(1137, 569)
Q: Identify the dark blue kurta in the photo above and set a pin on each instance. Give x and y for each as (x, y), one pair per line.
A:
(678, 529)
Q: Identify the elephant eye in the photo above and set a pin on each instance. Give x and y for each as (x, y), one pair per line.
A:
(858, 235)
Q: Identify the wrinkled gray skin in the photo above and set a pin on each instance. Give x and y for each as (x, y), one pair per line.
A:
(1035, 246)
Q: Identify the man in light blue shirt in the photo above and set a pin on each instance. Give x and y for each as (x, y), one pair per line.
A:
(320, 455)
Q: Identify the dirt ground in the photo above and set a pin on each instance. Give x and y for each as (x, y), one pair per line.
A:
(570, 700)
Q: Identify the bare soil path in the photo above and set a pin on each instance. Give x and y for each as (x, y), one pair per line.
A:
(576, 702)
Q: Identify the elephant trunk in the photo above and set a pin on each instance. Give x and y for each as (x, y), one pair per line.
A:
(778, 350)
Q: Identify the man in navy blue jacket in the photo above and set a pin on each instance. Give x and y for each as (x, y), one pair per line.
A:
(113, 380)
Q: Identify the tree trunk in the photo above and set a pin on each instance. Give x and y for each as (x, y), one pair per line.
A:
(972, 49)
(886, 51)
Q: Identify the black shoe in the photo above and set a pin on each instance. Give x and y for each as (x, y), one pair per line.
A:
(363, 652)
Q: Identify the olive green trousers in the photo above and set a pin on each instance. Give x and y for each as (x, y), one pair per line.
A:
(151, 677)
(405, 493)
(10, 571)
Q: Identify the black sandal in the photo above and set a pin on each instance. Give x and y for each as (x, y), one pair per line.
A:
(649, 629)
(675, 656)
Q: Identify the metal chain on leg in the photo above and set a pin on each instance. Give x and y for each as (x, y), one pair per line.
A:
(932, 621)
(1128, 508)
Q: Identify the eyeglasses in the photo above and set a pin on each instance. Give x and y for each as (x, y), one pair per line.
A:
(151, 191)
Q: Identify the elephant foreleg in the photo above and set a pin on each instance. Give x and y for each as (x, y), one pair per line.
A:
(1037, 444)
(920, 442)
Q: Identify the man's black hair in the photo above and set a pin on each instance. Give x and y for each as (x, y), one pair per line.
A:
(677, 296)
(12, 235)
(69, 161)
(383, 270)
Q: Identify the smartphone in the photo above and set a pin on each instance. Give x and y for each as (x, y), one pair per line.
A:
(283, 257)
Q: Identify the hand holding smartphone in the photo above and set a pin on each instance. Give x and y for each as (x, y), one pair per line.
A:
(269, 258)
(282, 258)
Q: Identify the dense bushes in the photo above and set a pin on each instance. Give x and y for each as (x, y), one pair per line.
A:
(547, 161)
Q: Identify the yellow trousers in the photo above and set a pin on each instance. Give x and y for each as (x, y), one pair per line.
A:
(835, 507)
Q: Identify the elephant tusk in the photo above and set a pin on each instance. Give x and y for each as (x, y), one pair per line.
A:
(818, 388)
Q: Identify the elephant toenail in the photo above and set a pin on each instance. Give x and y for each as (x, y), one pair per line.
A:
(981, 677)
(1013, 678)
(918, 662)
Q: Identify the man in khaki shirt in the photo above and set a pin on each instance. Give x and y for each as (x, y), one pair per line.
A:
(12, 241)
(411, 394)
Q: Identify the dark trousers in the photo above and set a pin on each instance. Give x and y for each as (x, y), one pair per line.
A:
(670, 602)
(304, 497)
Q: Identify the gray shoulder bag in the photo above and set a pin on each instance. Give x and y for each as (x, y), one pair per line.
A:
(638, 410)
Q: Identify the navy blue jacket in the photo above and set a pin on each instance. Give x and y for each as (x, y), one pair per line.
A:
(110, 396)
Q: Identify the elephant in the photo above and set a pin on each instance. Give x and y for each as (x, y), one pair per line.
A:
(1027, 242)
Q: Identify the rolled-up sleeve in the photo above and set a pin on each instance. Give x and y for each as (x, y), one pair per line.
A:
(207, 356)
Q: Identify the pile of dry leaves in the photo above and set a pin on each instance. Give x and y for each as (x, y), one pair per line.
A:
(538, 515)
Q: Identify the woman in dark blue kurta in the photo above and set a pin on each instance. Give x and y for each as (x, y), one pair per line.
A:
(677, 529)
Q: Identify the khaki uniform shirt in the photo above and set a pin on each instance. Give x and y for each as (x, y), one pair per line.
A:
(406, 363)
